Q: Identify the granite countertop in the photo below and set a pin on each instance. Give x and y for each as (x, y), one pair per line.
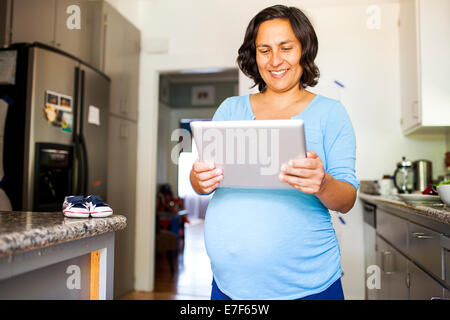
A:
(22, 231)
(437, 211)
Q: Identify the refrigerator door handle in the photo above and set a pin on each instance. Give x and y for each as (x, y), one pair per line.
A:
(84, 166)
(84, 158)
(76, 138)
(78, 154)
(76, 104)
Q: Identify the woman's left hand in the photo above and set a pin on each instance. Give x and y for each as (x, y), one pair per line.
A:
(304, 174)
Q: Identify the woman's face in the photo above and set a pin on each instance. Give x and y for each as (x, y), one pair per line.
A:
(278, 53)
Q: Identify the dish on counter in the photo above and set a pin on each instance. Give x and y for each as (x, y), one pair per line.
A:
(416, 198)
(444, 193)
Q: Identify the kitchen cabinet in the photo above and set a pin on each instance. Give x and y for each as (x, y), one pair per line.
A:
(411, 257)
(33, 20)
(402, 279)
(421, 285)
(424, 43)
(47, 22)
(76, 41)
(132, 66)
(119, 57)
(106, 40)
(121, 62)
(393, 267)
(122, 155)
(393, 229)
(412, 249)
(424, 247)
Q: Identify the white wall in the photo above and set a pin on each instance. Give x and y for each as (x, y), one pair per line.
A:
(204, 33)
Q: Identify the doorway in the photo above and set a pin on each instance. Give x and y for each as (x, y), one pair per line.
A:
(183, 96)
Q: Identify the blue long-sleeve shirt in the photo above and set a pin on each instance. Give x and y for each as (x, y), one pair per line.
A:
(280, 244)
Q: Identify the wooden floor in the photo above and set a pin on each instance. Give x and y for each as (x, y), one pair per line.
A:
(192, 278)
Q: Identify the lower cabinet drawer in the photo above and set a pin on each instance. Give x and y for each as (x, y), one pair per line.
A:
(425, 249)
(422, 286)
(393, 229)
(393, 273)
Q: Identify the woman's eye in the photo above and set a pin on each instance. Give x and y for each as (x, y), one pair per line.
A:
(263, 51)
(286, 49)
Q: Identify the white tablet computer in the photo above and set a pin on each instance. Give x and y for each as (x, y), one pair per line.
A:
(250, 152)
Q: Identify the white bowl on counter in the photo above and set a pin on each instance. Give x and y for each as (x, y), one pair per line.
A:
(444, 193)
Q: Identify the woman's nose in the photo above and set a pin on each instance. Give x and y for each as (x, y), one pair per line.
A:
(276, 58)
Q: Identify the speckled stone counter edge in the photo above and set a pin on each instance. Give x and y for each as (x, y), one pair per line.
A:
(437, 214)
(36, 238)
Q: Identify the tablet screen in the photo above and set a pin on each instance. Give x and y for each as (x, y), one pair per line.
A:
(250, 152)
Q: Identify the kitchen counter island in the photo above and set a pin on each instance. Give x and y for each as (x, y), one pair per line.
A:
(44, 255)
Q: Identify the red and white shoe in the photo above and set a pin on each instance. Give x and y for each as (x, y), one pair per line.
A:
(75, 207)
(97, 208)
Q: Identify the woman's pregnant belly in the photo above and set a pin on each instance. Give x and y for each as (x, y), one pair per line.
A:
(251, 229)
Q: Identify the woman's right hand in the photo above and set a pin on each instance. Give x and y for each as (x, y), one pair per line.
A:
(205, 177)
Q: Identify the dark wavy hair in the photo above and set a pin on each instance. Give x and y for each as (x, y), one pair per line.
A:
(304, 32)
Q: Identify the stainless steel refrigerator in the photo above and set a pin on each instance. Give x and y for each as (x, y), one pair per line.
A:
(56, 127)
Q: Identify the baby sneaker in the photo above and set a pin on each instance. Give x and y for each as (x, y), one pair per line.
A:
(97, 208)
(75, 207)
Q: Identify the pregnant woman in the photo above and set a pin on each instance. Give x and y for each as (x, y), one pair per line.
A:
(281, 244)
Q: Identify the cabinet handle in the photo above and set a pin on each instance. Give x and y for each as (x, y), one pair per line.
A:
(123, 106)
(123, 131)
(387, 262)
(415, 109)
(421, 235)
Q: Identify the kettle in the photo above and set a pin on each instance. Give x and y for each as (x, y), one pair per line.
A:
(404, 176)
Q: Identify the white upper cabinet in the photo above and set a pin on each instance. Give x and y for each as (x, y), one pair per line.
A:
(424, 30)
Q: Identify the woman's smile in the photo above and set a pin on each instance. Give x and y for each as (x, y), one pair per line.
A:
(279, 74)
